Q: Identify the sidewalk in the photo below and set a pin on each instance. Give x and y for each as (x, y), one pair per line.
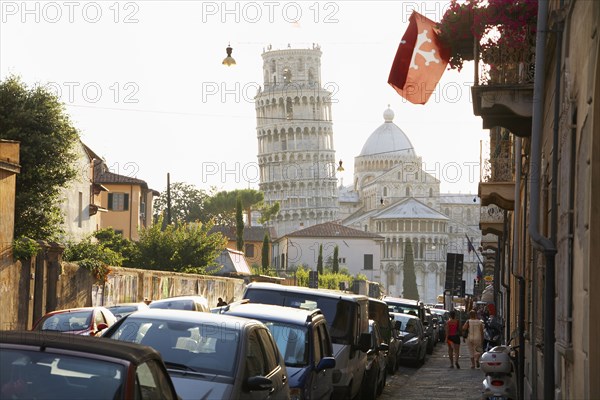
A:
(435, 379)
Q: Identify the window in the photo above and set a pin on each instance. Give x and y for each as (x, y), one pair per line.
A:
(368, 261)
(255, 362)
(118, 201)
(249, 250)
(150, 383)
(270, 351)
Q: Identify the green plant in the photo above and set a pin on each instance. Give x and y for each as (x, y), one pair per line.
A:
(93, 256)
(25, 248)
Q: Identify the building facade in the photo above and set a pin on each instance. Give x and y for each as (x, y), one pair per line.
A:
(9, 168)
(296, 155)
(393, 196)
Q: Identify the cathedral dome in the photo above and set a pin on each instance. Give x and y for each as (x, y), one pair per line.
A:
(388, 139)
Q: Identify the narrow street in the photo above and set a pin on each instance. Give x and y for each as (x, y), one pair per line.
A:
(435, 379)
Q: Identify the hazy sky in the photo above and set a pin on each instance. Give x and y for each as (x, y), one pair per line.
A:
(144, 83)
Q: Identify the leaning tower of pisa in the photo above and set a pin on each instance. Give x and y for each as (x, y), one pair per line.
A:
(296, 155)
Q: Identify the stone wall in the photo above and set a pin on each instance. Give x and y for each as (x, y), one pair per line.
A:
(125, 285)
(31, 288)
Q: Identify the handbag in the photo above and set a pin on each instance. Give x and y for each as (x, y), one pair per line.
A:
(466, 331)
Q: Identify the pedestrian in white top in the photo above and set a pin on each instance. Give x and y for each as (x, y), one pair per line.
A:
(474, 338)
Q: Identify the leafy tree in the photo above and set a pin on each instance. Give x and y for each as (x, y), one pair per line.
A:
(117, 243)
(37, 119)
(336, 261)
(409, 284)
(267, 212)
(183, 248)
(265, 253)
(187, 204)
(320, 260)
(239, 225)
(222, 205)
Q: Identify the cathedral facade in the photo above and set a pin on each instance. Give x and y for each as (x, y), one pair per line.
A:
(393, 196)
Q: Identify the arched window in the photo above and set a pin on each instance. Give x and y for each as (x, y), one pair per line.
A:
(391, 277)
(430, 192)
(447, 211)
(407, 191)
(385, 191)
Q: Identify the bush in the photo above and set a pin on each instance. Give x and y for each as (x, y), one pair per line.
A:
(93, 256)
(25, 248)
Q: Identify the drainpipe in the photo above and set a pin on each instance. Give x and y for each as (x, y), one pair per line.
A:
(515, 270)
(505, 285)
(541, 242)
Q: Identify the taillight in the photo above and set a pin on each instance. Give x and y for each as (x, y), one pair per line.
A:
(493, 364)
(497, 382)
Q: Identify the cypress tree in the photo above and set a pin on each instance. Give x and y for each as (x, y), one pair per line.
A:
(239, 224)
(320, 260)
(336, 262)
(265, 253)
(409, 284)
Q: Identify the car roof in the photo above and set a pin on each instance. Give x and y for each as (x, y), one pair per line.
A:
(128, 304)
(194, 298)
(132, 352)
(293, 315)
(304, 290)
(78, 309)
(401, 300)
(230, 321)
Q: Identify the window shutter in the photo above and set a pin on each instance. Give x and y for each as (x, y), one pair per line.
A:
(126, 202)
(110, 201)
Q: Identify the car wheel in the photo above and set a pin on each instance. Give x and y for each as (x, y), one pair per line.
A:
(392, 366)
(429, 347)
(370, 387)
(382, 384)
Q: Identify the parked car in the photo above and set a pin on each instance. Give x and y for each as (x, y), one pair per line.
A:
(189, 303)
(123, 309)
(431, 330)
(43, 365)
(376, 375)
(378, 311)
(304, 343)
(414, 342)
(210, 355)
(347, 317)
(443, 316)
(406, 306)
(87, 321)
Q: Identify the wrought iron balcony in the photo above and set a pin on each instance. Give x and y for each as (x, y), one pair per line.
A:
(497, 186)
(503, 90)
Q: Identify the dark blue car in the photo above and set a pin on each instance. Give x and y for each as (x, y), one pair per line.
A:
(303, 341)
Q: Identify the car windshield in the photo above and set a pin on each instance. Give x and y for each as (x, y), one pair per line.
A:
(174, 304)
(404, 308)
(204, 348)
(47, 375)
(292, 342)
(122, 310)
(67, 321)
(337, 312)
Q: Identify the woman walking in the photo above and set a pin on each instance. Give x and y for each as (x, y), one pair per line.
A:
(453, 339)
(474, 339)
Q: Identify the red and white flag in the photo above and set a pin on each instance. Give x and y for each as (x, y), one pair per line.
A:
(420, 60)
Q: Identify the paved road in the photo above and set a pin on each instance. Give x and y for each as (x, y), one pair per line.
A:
(435, 379)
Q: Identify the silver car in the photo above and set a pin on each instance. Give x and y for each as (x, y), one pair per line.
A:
(210, 356)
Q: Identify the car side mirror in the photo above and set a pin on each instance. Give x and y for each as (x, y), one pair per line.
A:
(326, 363)
(364, 342)
(259, 383)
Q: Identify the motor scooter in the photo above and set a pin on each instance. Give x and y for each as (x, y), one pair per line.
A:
(499, 366)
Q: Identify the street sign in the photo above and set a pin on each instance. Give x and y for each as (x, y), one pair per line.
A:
(454, 273)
